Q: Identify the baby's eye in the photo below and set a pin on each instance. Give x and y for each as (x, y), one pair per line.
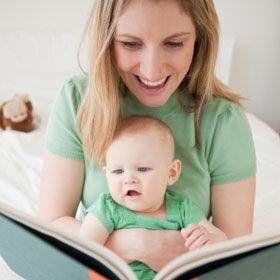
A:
(117, 171)
(143, 169)
(131, 45)
(174, 45)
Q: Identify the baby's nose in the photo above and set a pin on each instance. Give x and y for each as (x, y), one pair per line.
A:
(131, 179)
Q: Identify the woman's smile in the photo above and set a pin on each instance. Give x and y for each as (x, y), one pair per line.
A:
(152, 88)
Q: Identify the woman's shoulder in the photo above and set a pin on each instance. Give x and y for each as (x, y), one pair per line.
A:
(223, 118)
(221, 110)
(219, 105)
(80, 81)
(225, 136)
(72, 92)
(75, 85)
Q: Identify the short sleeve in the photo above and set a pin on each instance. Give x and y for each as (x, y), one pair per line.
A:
(192, 214)
(232, 153)
(103, 209)
(62, 137)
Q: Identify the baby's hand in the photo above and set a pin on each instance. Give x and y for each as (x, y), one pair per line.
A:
(196, 236)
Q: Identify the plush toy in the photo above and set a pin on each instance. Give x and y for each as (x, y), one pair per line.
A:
(16, 114)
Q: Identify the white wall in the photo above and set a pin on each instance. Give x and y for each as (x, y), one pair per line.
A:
(254, 23)
(43, 13)
(255, 71)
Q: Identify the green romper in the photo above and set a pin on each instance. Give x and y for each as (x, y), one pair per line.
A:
(180, 212)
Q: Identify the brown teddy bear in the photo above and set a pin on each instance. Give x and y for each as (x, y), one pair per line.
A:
(16, 114)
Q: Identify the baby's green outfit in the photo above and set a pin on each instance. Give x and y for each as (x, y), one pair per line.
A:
(180, 212)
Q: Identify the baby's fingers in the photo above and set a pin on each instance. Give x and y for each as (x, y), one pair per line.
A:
(199, 242)
(186, 232)
(196, 234)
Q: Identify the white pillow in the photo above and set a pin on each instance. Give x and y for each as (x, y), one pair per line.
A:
(37, 62)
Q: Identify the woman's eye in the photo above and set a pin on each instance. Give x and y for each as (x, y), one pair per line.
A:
(174, 44)
(131, 45)
(117, 171)
(143, 169)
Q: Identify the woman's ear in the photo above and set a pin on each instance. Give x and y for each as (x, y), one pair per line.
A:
(174, 171)
(104, 169)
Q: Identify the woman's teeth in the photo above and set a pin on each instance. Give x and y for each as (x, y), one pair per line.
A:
(153, 84)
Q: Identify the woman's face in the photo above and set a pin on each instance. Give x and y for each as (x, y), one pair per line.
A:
(153, 49)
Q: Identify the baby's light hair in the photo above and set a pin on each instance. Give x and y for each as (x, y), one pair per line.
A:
(140, 124)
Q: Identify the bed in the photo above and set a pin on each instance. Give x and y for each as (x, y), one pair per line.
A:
(36, 62)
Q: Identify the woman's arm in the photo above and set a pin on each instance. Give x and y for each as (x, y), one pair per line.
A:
(93, 229)
(60, 190)
(233, 207)
(135, 244)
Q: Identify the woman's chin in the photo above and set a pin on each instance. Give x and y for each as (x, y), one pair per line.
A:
(154, 104)
(152, 101)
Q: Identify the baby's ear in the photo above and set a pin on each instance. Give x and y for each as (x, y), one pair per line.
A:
(104, 169)
(174, 171)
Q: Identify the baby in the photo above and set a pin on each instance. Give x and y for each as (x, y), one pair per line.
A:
(140, 165)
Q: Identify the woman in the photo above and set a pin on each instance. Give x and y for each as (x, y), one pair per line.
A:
(151, 58)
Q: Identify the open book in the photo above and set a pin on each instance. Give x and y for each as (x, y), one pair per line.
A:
(33, 249)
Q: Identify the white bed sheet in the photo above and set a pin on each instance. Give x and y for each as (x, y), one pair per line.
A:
(21, 161)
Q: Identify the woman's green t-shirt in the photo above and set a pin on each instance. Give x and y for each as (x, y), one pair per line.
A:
(226, 153)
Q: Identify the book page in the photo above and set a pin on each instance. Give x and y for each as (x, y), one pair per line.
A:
(6, 272)
(91, 249)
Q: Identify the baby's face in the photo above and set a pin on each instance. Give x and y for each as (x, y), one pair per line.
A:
(137, 170)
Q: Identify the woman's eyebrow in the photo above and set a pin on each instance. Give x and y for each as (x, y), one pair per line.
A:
(180, 34)
(173, 36)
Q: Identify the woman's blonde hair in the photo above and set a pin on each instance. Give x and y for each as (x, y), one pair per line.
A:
(99, 113)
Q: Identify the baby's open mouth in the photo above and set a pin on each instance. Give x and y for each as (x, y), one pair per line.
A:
(133, 193)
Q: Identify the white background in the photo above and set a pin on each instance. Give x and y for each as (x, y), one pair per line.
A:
(255, 71)
(255, 24)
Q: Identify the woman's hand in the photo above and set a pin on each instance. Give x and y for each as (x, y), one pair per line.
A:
(167, 245)
(126, 243)
(135, 245)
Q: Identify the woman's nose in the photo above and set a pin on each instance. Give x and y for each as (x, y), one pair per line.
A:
(152, 65)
